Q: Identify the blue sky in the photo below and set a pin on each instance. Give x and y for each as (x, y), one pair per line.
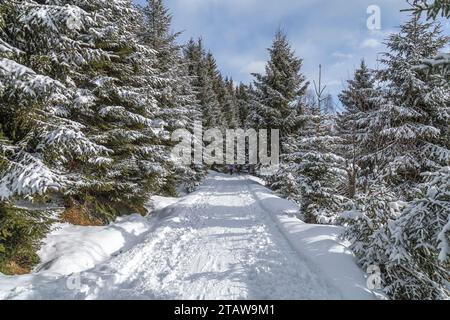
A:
(333, 33)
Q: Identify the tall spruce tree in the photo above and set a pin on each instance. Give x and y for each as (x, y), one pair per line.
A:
(410, 242)
(43, 150)
(275, 104)
(202, 67)
(227, 98)
(177, 100)
(278, 102)
(87, 105)
(243, 96)
(421, 235)
(411, 117)
(314, 171)
(358, 141)
(117, 103)
(214, 111)
(279, 91)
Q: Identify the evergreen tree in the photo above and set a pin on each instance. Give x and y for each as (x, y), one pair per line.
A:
(213, 111)
(86, 107)
(368, 228)
(117, 104)
(176, 96)
(410, 244)
(227, 99)
(176, 93)
(432, 9)
(243, 96)
(203, 68)
(40, 51)
(420, 256)
(313, 173)
(274, 104)
(358, 141)
(414, 113)
(279, 90)
(421, 234)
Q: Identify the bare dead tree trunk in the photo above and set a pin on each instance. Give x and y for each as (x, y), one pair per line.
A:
(319, 90)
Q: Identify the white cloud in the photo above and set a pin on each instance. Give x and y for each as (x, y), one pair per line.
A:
(253, 67)
(341, 55)
(370, 43)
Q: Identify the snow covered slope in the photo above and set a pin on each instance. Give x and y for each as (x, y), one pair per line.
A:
(232, 239)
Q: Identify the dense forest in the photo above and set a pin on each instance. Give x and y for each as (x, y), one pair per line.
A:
(91, 90)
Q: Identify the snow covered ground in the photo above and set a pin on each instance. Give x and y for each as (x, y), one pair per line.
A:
(231, 239)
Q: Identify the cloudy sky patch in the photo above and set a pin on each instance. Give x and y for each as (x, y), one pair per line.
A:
(333, 33)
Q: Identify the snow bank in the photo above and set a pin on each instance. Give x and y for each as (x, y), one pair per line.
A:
(318, 244)
(70, 249)
(158, 203)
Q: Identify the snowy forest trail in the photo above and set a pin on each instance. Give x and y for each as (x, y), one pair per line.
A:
(220, 242)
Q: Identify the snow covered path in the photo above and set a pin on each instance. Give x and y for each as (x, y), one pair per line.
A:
(221, 242)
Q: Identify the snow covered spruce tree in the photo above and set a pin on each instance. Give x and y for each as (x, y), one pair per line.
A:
(116, 102)
(414, 113)
(39, 141)
(214, 110)
(176, 95)
(371, 202)
(228, 100)
(203, 69)
(426, 220)
(432, 8)
(310, 172)
(243, 96)
(359, 142)
(316, 170)
(275, 104)
(413, 160)
(367, 227)
(279, 91)
(420, 259)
